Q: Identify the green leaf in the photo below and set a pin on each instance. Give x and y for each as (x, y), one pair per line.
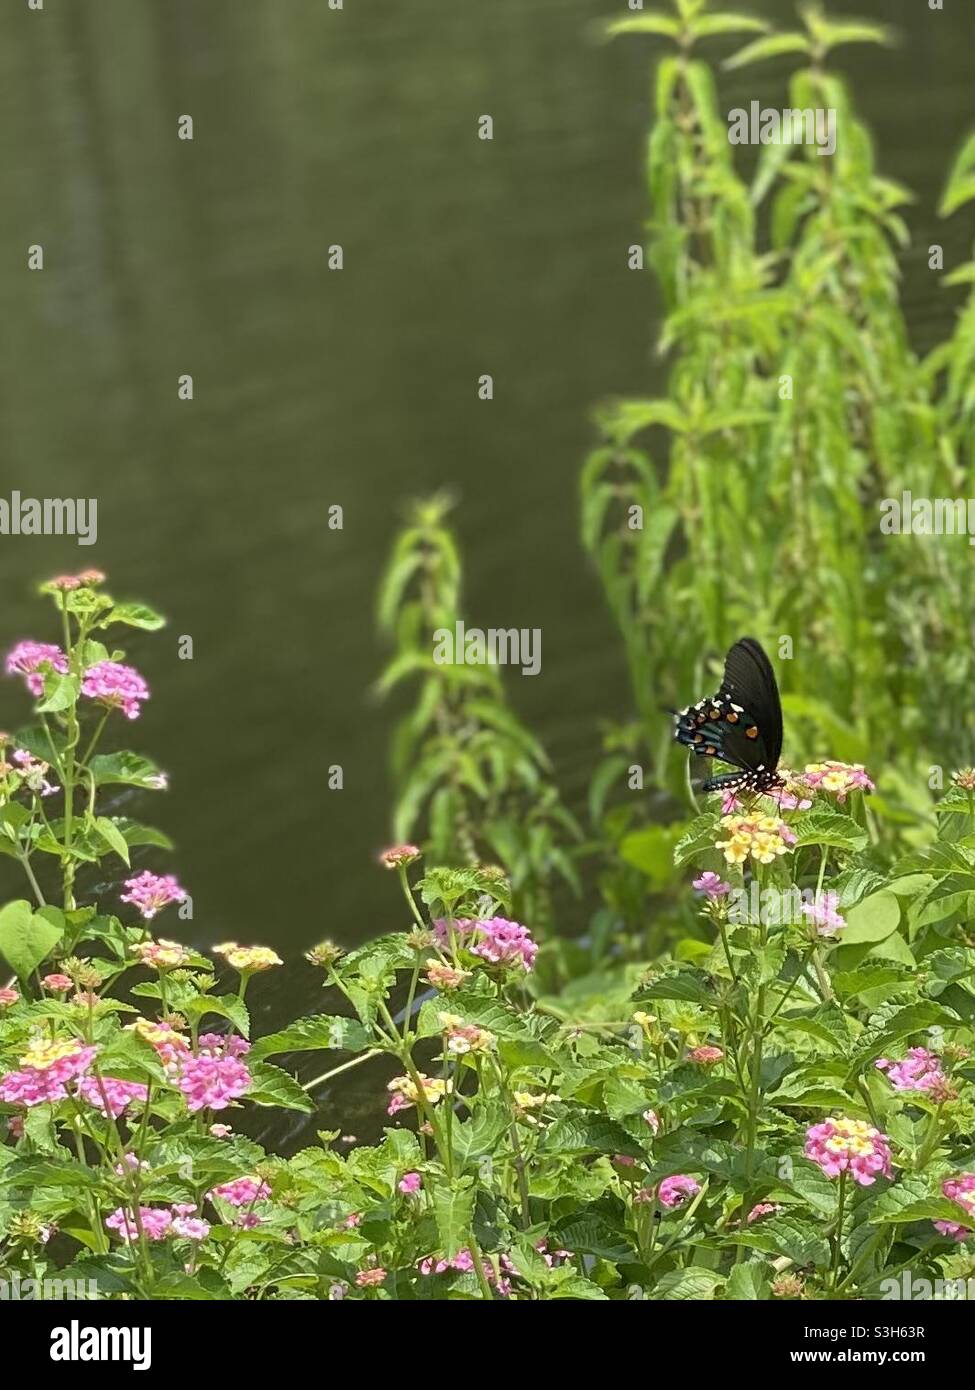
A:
(28, 937)
(774, 46)
(125, 769)
(651, 850)
(586, 1234)
(912, 1200)
(229, 1006)
(679, 1285)
(748, 1282)
(272, 1086)
(727, 23)
(134, 615)
(829, 828)
(322, 1032)
(689, 986)
(112, 836)
(474, 1138)
(590, 1133)
(788, 1234)
(453, 1209)
(699, 836)
(872, 920)
(650, 23)
(60, 692)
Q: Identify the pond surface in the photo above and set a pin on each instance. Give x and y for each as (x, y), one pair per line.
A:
(162, 257)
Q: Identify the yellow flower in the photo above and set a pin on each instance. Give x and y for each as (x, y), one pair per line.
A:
(248, 958)
(41, 1055)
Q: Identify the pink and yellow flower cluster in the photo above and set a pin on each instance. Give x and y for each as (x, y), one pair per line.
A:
(761, 838)
(843, 1145)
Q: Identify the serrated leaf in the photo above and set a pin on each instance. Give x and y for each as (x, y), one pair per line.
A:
(679, 1285)
(453, 1210)
(322, 1032)
(272, 1086)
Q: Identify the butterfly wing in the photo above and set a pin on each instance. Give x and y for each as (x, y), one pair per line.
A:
(742, 723)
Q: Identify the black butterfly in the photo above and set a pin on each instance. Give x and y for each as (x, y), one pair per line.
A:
(741, 725)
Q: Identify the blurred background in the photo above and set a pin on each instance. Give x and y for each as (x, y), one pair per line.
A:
(359, 387)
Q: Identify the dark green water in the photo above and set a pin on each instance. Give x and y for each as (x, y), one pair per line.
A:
(164, 257)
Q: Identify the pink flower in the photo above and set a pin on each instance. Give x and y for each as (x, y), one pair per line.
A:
(624, 1160)
(919, 1071)
(730, 804)
(673, 1192)
(190, 1228)
(57, 983)
(463, 1263)
(653, 1120)
(66, 583)
(495, 940)
(161, 954)
(15, 1126)
(152, 892)
(169, 1044)
(130, 1163)
(110, 1092)
(398, 856)
(221, 1131)
(762, 1209)
(46, 1068)
(34, 772)
(707, 1056)
(952, 1230)
(370, 1278)
(249, 1220)
(840, 1145)
(155, 1223)
(824, 915)
(960, 1189)
(223, 1045)
(32, 660)
(241, 1192)
(711, 885)
(8, 996)
(115, 686)
(351, 1221)
(410, 1183)
(212, 1082)
(837, 779)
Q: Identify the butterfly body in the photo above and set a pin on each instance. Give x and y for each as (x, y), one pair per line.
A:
(740, 725)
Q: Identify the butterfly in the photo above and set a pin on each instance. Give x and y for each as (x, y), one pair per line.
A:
(740, 725)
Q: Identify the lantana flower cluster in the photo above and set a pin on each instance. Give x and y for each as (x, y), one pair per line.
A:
(461, 1037)
(403, 1092)
(495, 940)
(920, 1070)
(762, 838)
(843, 1145)
(150, 893)
(158, 1223)
(837, 779)
(960, 1189)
